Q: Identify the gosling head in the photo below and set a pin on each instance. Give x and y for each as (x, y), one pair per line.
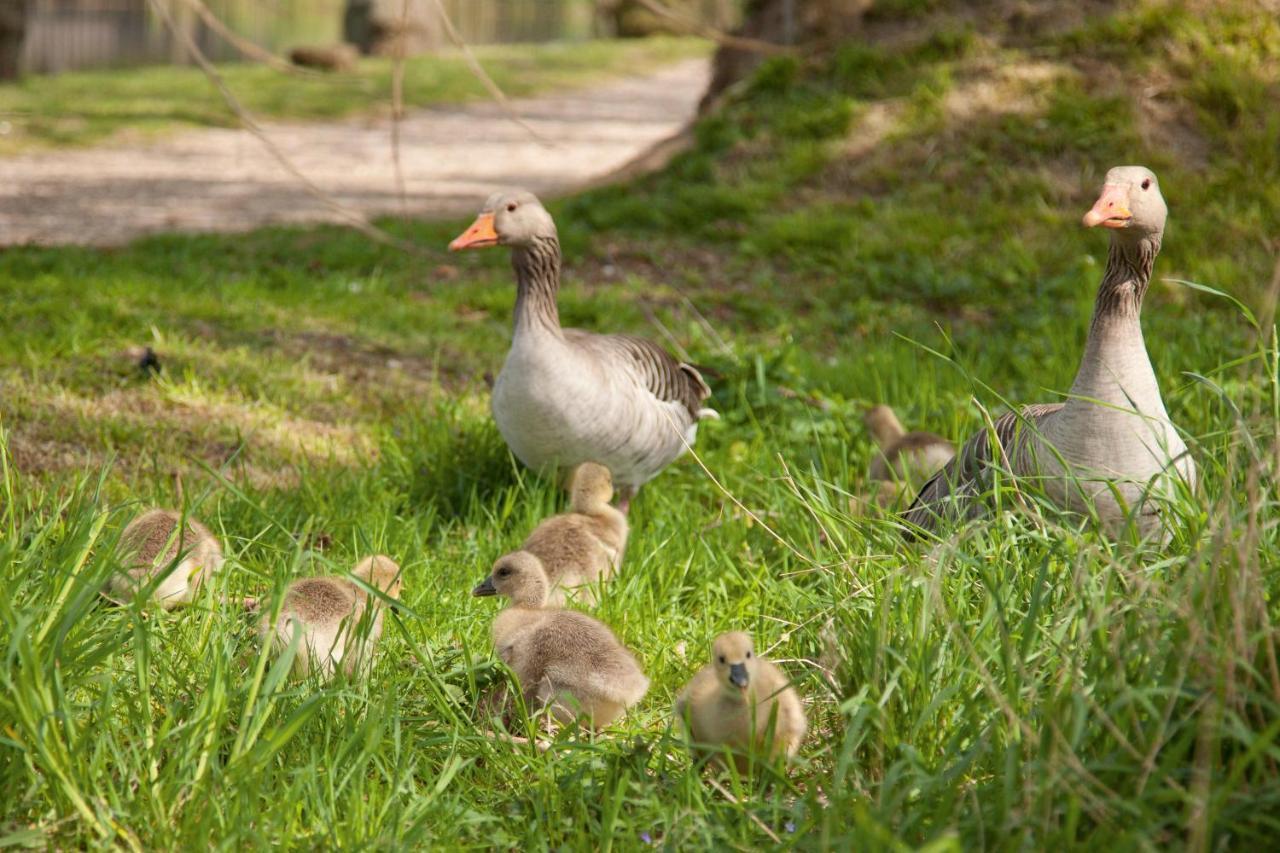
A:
(382, 573)
(511, 218)
(734, 660)
(592, 485)
(520, 577)
(1130, 203)
(883, 424)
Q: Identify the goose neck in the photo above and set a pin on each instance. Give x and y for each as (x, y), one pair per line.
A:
(537, 267)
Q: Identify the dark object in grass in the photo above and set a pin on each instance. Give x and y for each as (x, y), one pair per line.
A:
(334, 57)
(148, 361)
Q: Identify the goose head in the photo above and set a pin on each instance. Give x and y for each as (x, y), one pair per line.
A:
(592, 484)
(510, 218)
(734, 661)
(520, 577)
(1130, 203)
(381, 573)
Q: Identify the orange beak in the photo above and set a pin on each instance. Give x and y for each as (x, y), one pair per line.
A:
(479, 235)
(1111, 210)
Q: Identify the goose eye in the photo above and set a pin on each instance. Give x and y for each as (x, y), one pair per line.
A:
(1146, 184)
(511, 207)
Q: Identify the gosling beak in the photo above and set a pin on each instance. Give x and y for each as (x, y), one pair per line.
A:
(1111, 210)
(485, 587)
(479, 235)
(738, 675)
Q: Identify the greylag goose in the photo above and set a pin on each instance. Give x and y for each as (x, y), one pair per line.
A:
(565, 396)
(741, 703)
(1110, 448)
(580, 547)
(904, 458)
(562, 659)
(151, 543)
(326, 618)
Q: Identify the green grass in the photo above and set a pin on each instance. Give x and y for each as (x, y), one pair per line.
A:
(1025, 684)
(85, 108)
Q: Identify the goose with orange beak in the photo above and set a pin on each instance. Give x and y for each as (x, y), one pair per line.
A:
(1110, 450)
(567, 396)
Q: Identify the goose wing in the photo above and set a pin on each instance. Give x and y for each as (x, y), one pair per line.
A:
(666, 378)
(960, 480)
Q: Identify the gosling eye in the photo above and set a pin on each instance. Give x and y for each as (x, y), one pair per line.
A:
(511, 206)
(748, 655)
(721, 658)
(1146, 184)
(502, 573)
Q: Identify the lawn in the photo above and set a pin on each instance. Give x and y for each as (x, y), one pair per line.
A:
(898, 223)
(85, 108)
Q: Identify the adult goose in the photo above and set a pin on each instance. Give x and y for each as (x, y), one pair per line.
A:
(1110, 449)
(566, 396)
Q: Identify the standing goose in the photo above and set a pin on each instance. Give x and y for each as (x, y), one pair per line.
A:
(1110, 448)
(566, 396)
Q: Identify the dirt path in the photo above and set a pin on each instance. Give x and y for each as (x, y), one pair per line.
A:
(452, 157)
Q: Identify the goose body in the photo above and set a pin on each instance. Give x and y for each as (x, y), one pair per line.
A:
(741, 703)
(1110, 449)
(335, 623)
(151, 543)
(567, 396)
(564, 661)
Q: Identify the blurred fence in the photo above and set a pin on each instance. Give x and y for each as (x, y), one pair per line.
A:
(65, 35)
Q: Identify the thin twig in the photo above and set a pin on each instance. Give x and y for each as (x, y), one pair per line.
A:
(478, 70)
(728, 795)
(243, 45)
(352, 217)
(397, 105)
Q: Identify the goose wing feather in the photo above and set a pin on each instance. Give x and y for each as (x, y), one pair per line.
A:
(666, 378)
(961, 479)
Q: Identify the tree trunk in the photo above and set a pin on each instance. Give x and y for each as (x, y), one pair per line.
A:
(13, 31)
(785, 22)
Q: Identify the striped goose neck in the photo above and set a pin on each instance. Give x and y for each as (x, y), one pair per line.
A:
(1125, 281)
(537, 267)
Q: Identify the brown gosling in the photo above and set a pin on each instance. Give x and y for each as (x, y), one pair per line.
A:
(584, 546)
(905, 459)
(151, 543)
(562, 659)
(743, 703)
(327, 616)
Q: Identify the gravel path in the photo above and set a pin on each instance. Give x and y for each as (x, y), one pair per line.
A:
(452, 157)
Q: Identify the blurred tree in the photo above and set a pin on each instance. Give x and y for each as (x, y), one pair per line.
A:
(384, 26)
(784, 22)
(13, 30)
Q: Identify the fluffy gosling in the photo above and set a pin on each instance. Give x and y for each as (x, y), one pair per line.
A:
(905, 458)
(562, 659)
(583, 546)
(742, 703)
(150, 544)
(327, 615)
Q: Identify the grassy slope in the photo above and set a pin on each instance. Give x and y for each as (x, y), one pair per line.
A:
(1032, 685)
(85, 108)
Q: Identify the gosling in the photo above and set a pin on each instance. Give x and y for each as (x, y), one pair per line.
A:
(563, 659)
(741, 703)
(151, 543)
(579, 548)
(905, 459)
(333, 620)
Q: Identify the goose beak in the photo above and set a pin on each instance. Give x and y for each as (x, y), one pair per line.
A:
(738, 675)
(479, 235)
(1111, 210)
(485, 587)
